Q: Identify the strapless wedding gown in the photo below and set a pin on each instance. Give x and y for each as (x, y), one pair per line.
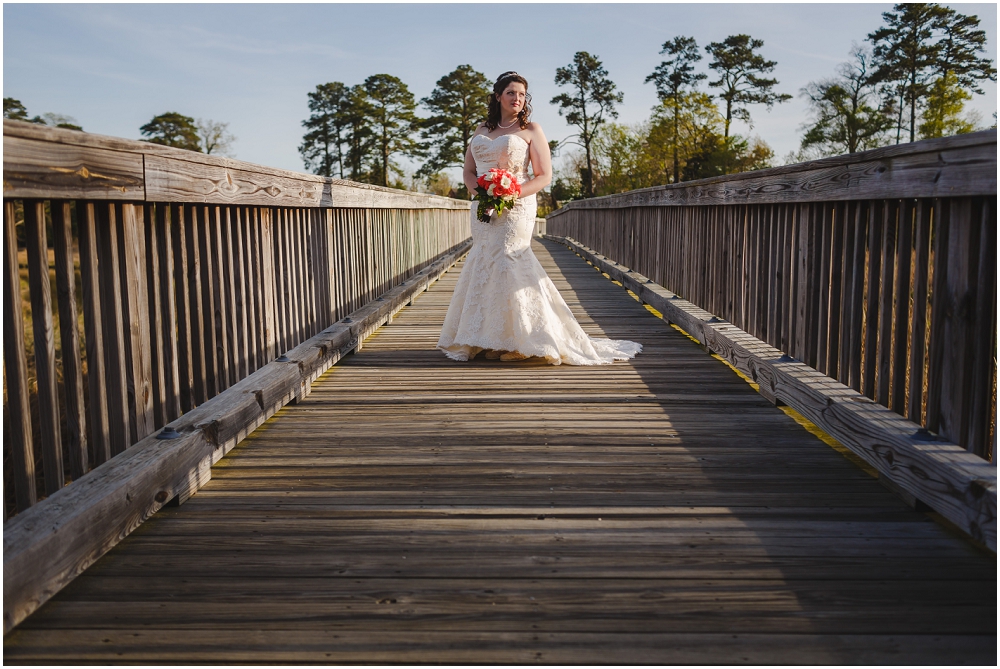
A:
(504, 300)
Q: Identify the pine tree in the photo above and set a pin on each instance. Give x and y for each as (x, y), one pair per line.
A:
(458, 105)
(393, 122)
(593, 96)
(672, 77)
(322, 145)
(740, 68)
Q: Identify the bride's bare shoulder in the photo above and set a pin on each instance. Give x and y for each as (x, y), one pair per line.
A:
(535, 131)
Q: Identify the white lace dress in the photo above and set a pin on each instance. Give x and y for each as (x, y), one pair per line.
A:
(503, 299)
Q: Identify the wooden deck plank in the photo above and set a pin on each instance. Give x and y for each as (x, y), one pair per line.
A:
(417, 509)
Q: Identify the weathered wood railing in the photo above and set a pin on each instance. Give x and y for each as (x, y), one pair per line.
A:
(877, 270)
(179, 277)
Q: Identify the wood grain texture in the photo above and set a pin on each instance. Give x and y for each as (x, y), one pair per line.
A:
(76, 418)
(44, 162)
(50, 431)
(949, 167)
(955, 483)
(15, 358)
(412, 508)
(90, 278)
(49, 545)
(39, 169)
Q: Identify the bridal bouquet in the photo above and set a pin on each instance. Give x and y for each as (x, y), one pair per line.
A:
(497, 191)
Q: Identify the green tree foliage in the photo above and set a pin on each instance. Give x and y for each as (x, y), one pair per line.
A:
(173, 129)
(592, 96)
(322, 145)
(360, 137)
(740, 69)
(961, 41)
(458, 105)
(672, 77)
(622, 160)
(942, 115)
(847, 114)
(691, 124)
(922, 42)
(14, 110)
(393, 122)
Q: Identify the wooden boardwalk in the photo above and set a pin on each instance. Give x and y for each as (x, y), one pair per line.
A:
(416, 509)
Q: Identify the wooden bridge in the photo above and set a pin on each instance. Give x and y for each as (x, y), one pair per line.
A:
(797, 469)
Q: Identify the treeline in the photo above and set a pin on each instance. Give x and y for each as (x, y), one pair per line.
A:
(909, 81)
(358, 132)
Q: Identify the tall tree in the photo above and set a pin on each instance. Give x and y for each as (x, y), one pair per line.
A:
(458, 105)
(215, 137)
(322, 145)
(740, 69)
(672, 77)
(360, 136)
(593, 95)
(961, 41)
(847, 114)
(393, 121)
(173, 129)
(907, 53)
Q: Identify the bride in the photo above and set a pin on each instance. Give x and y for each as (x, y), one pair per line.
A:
(504, 303)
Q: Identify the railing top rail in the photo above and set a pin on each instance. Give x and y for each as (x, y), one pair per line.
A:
(43, 162)
(963, 165)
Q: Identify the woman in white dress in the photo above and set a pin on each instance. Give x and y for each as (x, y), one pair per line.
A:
(504, 303)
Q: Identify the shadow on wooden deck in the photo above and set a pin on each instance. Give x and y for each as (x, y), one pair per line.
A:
(416, 509)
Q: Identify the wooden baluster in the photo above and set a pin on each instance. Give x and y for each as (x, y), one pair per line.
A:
(238, 290)
(159, 345)
(112, 309)
(100, 435)
(860, 219)
(835, 306)
(890, 221)
(221, 307)
(918, 318)
(167, 319)
(183, 274)
(875, 224)
(266, 257)
(280, 282)
(787, 249)
(984, 370)
(45, 346)
(76, 419)
(16, 370)
(138, 364)
(903, 290)
(255, 288)
(824, 237)
(209, 279)
(953, 340)
(199, 368)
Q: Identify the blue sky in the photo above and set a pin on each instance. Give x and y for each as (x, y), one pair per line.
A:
(115, 66)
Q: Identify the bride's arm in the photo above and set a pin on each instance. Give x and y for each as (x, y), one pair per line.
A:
(469, 176)
(541, 162)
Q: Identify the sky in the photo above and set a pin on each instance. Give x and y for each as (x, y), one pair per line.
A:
(113, 67)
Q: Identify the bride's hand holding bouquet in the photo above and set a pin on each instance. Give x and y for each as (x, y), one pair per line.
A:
(497, 190)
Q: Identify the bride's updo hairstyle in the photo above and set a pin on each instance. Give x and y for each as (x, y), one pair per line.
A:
(503, 81)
